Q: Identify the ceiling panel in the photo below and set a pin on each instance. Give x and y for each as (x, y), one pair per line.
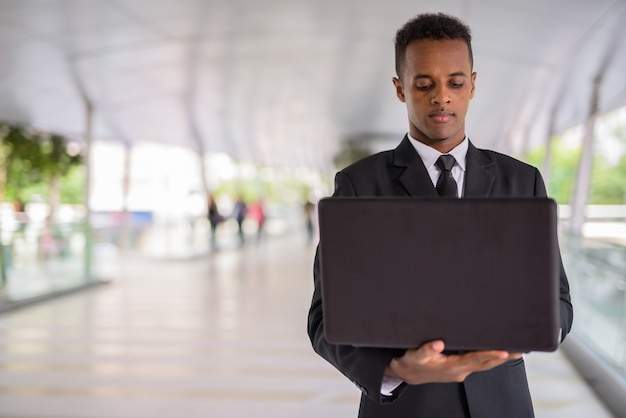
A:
(284, 82)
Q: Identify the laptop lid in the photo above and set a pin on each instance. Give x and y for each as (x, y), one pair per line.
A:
(477, 273)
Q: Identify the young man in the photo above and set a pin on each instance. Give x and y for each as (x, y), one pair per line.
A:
(435, 80)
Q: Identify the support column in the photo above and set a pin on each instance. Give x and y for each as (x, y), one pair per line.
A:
(582, 182)
(3, 259)
(546, 164)
(88, 218)
(125, 220)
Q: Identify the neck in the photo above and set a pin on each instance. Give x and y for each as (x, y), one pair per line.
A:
(444, 145)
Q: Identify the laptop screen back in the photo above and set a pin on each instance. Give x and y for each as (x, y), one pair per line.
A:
(477, 273)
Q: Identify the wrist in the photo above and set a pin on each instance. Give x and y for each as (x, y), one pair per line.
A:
(393, 369)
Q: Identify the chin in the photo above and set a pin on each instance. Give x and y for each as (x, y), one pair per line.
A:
(438, 138)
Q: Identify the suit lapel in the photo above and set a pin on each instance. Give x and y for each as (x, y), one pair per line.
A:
(414, 178)
(479, 175)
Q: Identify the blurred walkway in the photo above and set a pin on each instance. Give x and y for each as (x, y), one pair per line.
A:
(221, 336)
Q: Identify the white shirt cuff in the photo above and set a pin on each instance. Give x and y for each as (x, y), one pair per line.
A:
(389, 385)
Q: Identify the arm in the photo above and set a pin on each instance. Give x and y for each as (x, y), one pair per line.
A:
(566, 314)
(363, 366)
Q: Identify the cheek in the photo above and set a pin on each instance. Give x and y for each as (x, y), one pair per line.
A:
(413, 109)
(415, 102)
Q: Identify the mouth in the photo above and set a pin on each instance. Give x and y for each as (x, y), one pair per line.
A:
(441, 117)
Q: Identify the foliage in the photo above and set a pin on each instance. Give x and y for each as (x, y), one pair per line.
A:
(608, 181)
(281, 189)
(351, 151)
(72, 186)
(31, 159)
(564, 165)
(609, 178)
(608, 185)
(562, 171)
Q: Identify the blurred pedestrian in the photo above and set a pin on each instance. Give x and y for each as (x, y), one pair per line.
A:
(256, 211)
(309, 216)
(239, 214)
(215, 218)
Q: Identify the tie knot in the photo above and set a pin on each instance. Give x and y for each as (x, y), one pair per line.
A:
(445, 162)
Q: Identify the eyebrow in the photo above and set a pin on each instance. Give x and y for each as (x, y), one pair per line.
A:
(456, 74)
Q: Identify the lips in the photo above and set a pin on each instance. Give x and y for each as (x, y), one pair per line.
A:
(441, 117)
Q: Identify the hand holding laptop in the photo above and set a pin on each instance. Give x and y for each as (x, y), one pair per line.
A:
(428, 364)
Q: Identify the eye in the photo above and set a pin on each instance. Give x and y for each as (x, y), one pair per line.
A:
(456, 82)
(423, 86)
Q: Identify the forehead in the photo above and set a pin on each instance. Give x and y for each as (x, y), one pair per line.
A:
(431, 55)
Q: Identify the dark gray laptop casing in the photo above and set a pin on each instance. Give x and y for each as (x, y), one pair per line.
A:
(478, 273)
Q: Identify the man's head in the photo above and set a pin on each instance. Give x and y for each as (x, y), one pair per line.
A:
(430, 26)
(435, 78)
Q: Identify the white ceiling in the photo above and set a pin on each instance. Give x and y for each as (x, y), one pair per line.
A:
(281, 82)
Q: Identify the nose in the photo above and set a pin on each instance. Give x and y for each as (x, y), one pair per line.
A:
(440, 96)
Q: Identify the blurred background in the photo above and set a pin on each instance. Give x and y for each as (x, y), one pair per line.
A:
(190, 140)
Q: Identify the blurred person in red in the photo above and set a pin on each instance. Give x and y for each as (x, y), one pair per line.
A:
(256, 212)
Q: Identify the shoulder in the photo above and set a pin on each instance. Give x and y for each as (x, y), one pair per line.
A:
(504, 161)
(385, 161)
(372, 171)
(366, 165)
(512, 177)
(371, 176)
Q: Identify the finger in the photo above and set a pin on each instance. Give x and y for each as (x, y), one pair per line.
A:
(431, 348)
(479, 357)
(437, 346)
(485, 364)
(428, 351)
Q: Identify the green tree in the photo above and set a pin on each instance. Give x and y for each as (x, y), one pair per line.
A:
(608, 181)
(30, 161)
(22, 162)
(608, 185)
(562, 168)
(56, 164)
(351, 150)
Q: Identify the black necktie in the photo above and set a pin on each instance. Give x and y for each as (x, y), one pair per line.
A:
(446, 185)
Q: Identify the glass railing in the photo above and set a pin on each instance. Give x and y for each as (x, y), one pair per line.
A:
(597, 273)
(39, 258)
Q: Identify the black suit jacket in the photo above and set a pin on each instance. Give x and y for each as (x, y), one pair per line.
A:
(500, 392)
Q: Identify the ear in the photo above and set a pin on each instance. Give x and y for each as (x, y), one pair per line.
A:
(473, 85)
(399, 89)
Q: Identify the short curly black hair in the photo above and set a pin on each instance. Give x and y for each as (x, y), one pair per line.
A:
(430, 26)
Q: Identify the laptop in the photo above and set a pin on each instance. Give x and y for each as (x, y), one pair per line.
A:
(479, 274)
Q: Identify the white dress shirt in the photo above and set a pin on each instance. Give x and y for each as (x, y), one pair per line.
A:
(429, 156)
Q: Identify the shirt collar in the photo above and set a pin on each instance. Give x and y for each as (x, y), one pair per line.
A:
(429, 155)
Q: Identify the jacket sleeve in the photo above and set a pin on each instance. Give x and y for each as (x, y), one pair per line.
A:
(364, 366)
(566, 313)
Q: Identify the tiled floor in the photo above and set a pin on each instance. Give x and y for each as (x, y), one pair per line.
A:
(221, 336)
